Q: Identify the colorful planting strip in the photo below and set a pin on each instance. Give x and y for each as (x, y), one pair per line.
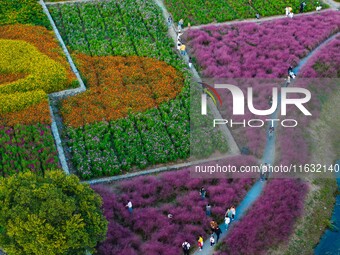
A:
(324, 64)
(203, 12)
(157, 136)
(250, 50)
(44, 40)
(270, 220)
(149, 230)
(120, 28)
(119, 86)
(22, 12)
(32, 65)
(294, 146)
(101, 142)
(25, 147)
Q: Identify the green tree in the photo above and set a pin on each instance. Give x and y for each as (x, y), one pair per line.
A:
(55, 214)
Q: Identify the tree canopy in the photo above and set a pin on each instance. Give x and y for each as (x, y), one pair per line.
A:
(55, 214)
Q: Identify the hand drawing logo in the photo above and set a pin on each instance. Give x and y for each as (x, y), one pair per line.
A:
(213, 95)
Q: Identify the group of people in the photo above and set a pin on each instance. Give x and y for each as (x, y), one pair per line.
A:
(215, 229)
(180, 46)
(289, 10)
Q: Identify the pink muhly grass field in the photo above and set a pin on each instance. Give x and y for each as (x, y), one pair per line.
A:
(264, 50)
(270, 221)
(149, 230)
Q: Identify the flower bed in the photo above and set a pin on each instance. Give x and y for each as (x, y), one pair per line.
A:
(23, 12)
(37, 113)
(32, 65)
(157, 136)
(325, 64)
(148, 230)
(124, 28)
(25, 147)
(270, 220)
(44, 40)
(195, 12)
(117, 89)
(27, 44)
(119, 86)
(250, 50)
(322, 71)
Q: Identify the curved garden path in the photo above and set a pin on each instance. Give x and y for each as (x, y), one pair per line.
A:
(249, 20)
(268, 157)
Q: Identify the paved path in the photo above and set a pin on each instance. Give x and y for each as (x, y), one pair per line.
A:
(155, 170)
(233, 147)
(250, 20)
(333, 5)
(74, 1)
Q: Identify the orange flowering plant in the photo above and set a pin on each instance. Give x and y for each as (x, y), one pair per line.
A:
(119, 86)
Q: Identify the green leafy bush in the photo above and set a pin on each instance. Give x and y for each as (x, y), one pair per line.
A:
(54, 214)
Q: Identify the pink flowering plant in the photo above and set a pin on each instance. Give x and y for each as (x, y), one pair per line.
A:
(149, 229)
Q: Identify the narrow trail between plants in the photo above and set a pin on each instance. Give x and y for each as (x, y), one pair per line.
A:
(74, 1)
(251, 20)
(268, 157)
(233, 147)
(334, 5)
(65, 93)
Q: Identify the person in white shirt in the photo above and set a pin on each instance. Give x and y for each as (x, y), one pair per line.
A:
(186, 247)
(129, 206)
(233, 212)
(212, 240)
(226, 222)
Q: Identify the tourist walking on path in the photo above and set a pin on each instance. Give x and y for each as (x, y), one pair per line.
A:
(288, 10)
(212, 240)
(233, 212)
(271, 132)
(208, 209)
(179, 44)
(190, 62)
(266, 174)
(180, 24)
(213, 225)
(186, 247)
(302, 7)
(129, 206)
(229, 214)
(291, 73)
(218, 232)
(169, 20)
(179, 36)
(226, 222)
(200, 242)
(182, 49)
(203, 193)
